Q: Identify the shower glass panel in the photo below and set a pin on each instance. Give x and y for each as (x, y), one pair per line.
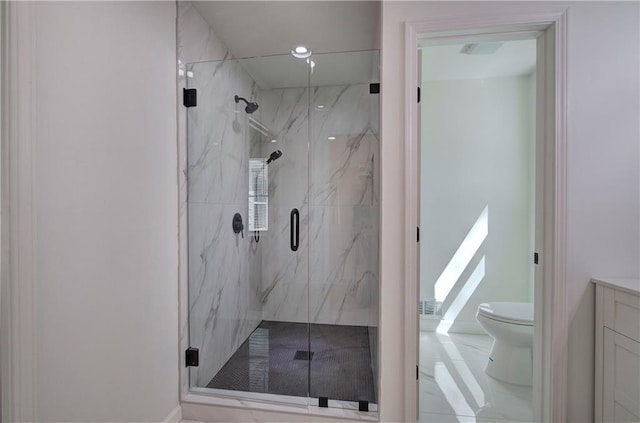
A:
(247, 154)
(282, 182)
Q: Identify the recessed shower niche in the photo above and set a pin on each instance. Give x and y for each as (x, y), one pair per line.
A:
(284, 305)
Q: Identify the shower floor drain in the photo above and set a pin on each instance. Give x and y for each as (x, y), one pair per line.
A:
(303, 355)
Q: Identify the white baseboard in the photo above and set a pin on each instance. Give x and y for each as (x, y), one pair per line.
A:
(175, 416)
(467, 327)
(430, 324)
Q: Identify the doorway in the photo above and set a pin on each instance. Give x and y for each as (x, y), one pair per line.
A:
(477, 224)
(549, 379)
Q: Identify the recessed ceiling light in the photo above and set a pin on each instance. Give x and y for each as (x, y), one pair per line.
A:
(274, 140)
(320, 106)
(331, 138)
(301, 52)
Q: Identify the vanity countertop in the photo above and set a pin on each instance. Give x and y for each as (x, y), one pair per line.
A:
(631, 286)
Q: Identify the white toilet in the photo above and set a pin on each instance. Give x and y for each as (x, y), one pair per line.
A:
(511, 326)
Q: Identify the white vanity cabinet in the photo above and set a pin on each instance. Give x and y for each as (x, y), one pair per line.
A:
(617, 354)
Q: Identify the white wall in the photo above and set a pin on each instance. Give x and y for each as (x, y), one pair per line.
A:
(2, 114)
(604, 175)
(106, 222)
(476, 154)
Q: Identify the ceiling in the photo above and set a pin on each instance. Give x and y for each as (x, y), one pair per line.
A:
(262, 28)
(445, 62)
(285, 71)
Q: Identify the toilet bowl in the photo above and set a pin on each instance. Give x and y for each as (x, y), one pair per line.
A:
(511, 327)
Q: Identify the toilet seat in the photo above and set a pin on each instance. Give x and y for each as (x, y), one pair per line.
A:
(508, 312)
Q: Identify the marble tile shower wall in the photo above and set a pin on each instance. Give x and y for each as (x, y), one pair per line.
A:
(336, 191)
(223, 268)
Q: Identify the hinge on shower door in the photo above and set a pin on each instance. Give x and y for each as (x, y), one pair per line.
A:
(191, 357)
(535, 258)
(189, 97)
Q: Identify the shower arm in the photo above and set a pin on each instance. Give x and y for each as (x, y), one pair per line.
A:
(237, 98)
(251, 107)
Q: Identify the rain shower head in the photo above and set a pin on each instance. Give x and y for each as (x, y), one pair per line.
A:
(274, 156)
(251, 107)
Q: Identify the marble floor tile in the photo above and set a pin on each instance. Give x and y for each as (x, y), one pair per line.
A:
(470, 347)
(454, 387)
(452, 418)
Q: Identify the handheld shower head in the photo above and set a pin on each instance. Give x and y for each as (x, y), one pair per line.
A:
(251, 106)
(274, 156)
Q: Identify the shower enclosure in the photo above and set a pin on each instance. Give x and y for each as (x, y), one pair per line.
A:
(283, 212)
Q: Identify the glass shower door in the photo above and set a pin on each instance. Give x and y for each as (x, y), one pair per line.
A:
(344, 208)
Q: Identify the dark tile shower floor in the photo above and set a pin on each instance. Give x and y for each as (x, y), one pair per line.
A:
(275, 359)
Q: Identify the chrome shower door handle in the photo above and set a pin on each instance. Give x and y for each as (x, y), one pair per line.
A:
(295, 229)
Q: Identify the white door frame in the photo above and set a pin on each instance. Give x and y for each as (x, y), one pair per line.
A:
(551, 340)
(18, 309)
